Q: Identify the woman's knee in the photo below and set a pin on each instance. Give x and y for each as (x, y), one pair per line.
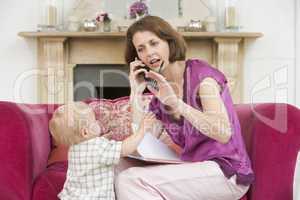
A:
(128, 184)
(131, 175)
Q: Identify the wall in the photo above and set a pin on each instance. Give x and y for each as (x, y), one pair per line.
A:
(16, 54)
(118, 8)
(269, 62)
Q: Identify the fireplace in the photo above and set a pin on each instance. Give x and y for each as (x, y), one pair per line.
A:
(60, 54)
(100, 81)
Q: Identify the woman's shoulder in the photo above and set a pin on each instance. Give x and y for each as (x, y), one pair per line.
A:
(197, 63)
(198, 67)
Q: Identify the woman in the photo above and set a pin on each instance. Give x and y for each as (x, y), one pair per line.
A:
(192, 103)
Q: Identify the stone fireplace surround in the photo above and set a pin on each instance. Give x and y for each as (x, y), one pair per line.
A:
(60, 52)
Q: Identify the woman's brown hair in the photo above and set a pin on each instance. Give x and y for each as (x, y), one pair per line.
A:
(161, 29)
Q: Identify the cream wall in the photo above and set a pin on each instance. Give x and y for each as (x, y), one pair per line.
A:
(269, 62)
(16, 54)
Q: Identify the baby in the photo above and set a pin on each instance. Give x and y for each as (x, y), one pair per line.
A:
(91, 158)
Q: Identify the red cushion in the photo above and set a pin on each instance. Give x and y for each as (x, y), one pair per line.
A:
(113, 115)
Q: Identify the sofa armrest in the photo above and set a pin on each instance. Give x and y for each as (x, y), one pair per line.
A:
(275, 143)
(24, 148)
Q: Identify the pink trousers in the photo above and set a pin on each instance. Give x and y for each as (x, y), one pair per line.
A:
(189, 181)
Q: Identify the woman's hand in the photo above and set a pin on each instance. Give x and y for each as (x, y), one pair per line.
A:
(148, 122)
(130, 144)
(137, 82)
(165, 92)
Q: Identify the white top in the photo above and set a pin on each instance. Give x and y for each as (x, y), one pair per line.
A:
(90, 172)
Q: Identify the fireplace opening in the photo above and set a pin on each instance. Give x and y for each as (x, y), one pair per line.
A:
(107, 81)
(111, 92)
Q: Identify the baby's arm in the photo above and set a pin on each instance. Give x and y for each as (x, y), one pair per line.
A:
(130, 144)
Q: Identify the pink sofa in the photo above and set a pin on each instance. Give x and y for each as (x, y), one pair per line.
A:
(25, 145)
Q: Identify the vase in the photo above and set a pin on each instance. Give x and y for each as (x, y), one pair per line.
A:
(138, 17)
(106, 26)
(73, 24)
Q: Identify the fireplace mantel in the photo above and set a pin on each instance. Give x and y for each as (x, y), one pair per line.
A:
(122, 34)
(60, 52)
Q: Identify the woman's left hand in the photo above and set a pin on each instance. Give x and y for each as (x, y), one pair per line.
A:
(165, 92)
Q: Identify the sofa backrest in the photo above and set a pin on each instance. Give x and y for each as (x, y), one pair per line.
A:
(246, 118)
(37, 117)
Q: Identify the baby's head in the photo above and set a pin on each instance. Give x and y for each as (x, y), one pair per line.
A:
(73, 123)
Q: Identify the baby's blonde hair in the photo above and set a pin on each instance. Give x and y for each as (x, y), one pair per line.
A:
(67, 122)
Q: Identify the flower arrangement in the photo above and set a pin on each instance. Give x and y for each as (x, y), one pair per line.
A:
(137, 9)
(103, 17)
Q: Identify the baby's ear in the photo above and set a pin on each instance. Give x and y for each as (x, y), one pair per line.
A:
(84, 132)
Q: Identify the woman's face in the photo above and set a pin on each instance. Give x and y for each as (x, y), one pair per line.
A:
(151, 50)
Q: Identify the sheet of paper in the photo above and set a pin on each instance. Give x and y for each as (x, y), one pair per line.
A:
(162, 161)
(152, 148)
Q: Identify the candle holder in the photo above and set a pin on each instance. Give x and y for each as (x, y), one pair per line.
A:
(51, 15)
(90, 25)
(231, 15)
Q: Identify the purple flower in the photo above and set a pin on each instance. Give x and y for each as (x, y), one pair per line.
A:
(103, 17)
(138, 8)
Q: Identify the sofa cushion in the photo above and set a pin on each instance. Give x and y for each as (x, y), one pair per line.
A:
(113, 115)
(58, 153)
(50, 182)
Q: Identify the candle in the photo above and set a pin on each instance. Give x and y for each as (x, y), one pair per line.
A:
(51, 15)
(230, 17)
